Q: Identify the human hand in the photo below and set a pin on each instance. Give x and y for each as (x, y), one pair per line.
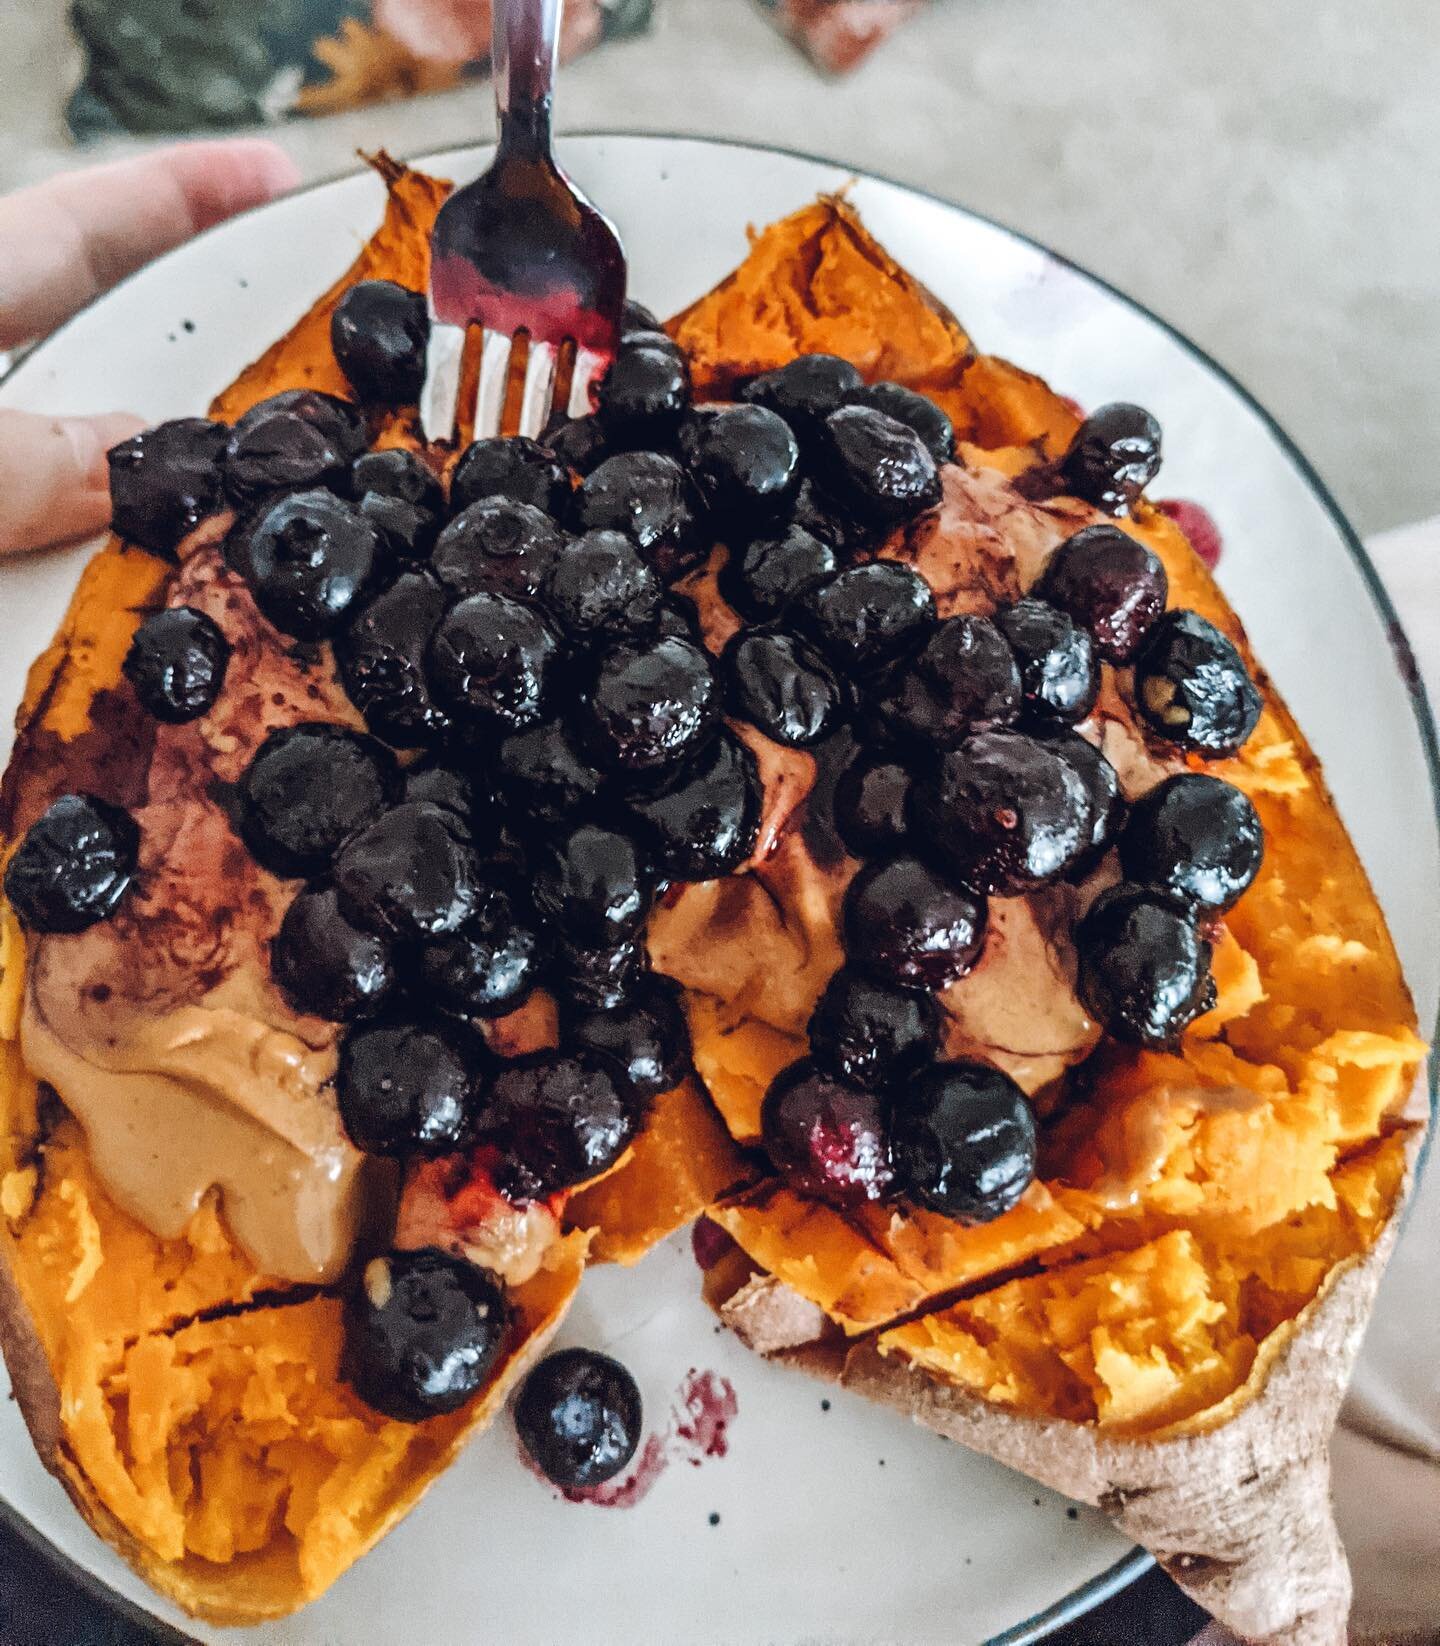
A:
(64, 242)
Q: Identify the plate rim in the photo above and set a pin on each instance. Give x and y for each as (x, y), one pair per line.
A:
(1122, 1573)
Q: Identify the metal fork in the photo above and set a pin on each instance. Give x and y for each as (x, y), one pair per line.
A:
(520, 250)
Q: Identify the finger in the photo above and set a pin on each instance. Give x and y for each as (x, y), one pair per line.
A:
(54, 480)
(64, 241)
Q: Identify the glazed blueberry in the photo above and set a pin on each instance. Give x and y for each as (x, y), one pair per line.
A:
(381, 657)
(745, 461)
(165, 480)
(557, 1120)
(878, 467)
(652, 705)
(1115, 454)
(1005, 812)
(76, 862)
(871, 1034)
(679, 618)
(578, 442)
(545, 774)
(636, 317)
(831, 521)
(308, 559)
(326, 966)
(1196, 838)
(518, 468)
(406, 1086)
(445, 787)
(489, 965)
(308, 789)
(1102, 788)
(805, 391)
(762, 579)
(1110, 584)
(1144, 968)
(1059, 671)
(705, 822)
(646, 1042)
(780, 685)
(872, 798)
(600, 588)
(379, 331)
(422, 1332)
(412, 874)
(177, 664)
(1192, 686)
(491, 660)
(579, 1418)
(401, 498)
(825, 1137)
(964, 1142)
(600, 978)
(963, 680)
(916, 412)
(649, 497)
(592, 886)
(643, 396)
(497, 546)
(870, 614)
(905, 924)
(294, 439)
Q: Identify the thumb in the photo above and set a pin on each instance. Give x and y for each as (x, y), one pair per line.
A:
(54, 480)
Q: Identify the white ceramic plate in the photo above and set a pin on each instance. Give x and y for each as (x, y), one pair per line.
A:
(839, 1525)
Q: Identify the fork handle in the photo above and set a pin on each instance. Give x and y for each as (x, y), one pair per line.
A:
(525, 39)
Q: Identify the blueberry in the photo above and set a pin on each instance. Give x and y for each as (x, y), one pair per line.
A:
(646, 1041)
(805, 391)
(831, 521)
(1110, 584)
(177, 663)
(963, 680)
(871, 1034)
(444, 787)
(906, 924)
(745, 461)
(422, 1333)
(765, 576)
(294, 439)
(406, 1086)
(778, 684)
(165, 480)
(307, 790)
(1115, 454)
(652, 705)
(680, 618)
(545, 774)
(557, 1120)
(1192, 686)
(308, 559)
(826, 1137)
(916, 412)
(497, 546)
(1059, 671)
(643, 396)
(636, 317)
(705, 822)
(379, 331)
(326, 966)
(412, 874)
(872, 797)
(592, 886)
(1144, 968)
(74, 865)
(491, 662)
(649, 497)
(600, 978)
(381, 657)
(1102, 788)
(870, 614)
(578, 442)
(964, 1142)
(878, 467)
(1005, 812)
(518, 468)
(579, 1418)
(600, 588)
(401, 499)
(1196, 838)
(490, 964)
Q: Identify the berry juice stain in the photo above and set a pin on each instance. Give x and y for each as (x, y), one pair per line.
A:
(1198, 526)
(709, 1242)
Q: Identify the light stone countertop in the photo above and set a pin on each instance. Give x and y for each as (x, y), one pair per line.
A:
(1264, 175)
